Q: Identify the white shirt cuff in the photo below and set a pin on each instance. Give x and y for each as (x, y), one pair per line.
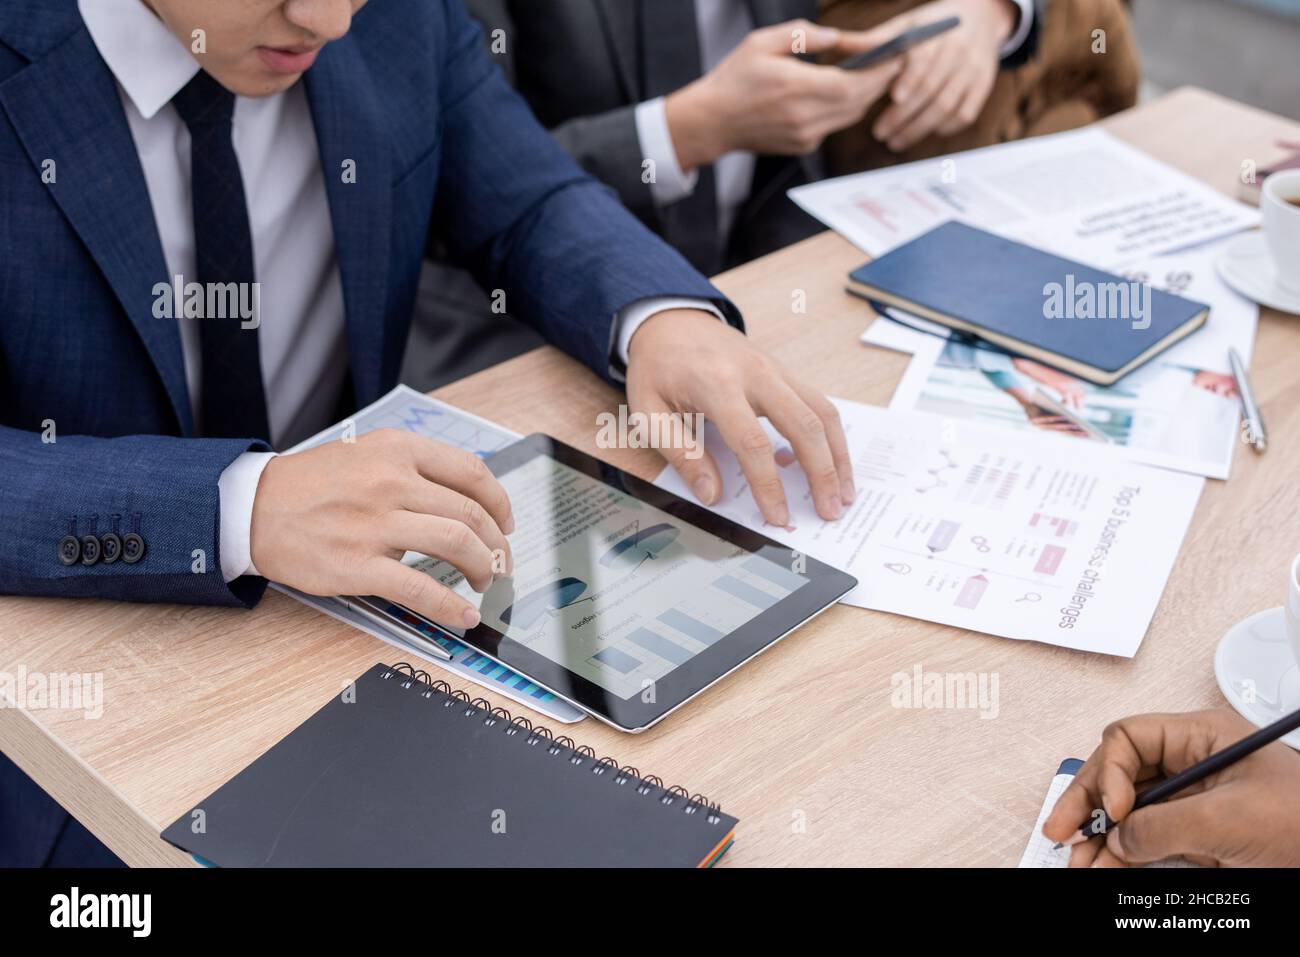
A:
(670, 183)
(237, 487)
(1021, 33)
(630, 318)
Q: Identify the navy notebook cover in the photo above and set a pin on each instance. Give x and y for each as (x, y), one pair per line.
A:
(996, 289)
(398, 773)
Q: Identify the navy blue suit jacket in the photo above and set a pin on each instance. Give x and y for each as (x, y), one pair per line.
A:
(438, 140)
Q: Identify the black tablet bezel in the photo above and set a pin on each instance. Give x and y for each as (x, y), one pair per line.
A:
(825, 586)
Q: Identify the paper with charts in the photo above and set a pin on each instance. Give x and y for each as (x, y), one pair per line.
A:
(1041, 852)
(1083, 194)
(1026, 537)
(404, 408)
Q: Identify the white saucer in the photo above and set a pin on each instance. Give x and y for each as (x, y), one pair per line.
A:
(1257, 672)
(1247, 266)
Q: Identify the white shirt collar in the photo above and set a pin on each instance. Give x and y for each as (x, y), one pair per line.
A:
(149, 62)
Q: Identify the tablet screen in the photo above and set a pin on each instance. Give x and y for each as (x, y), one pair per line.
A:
(612, 588)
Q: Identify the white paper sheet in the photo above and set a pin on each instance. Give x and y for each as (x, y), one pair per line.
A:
(1082, 194)
(1179, 411)
(1026, 537)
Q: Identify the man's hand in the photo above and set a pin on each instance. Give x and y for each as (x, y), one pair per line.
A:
(762, 99)
(1247, 815)
(684, 360)
(945, 81)
(336, 520)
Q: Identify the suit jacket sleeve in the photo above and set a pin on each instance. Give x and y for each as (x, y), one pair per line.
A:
(606, 145)
(515, 205)
(164, 489)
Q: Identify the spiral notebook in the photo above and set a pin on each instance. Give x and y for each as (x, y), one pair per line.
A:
(401, 771)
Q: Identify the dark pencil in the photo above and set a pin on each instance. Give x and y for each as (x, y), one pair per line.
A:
(1099, 822)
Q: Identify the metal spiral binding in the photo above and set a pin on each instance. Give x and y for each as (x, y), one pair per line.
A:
(578, 755)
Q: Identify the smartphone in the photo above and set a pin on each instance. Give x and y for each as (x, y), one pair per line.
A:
(899, 45)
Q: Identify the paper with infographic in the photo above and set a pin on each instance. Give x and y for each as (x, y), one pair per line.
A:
(1083, 194)
(1026, 537)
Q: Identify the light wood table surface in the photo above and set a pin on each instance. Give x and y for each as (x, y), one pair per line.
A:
(802, 743)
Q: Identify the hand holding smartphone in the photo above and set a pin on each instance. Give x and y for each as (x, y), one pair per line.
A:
(899, 44)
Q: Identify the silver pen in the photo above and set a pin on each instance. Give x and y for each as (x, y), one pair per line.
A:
(1253, 432)
(371, 614)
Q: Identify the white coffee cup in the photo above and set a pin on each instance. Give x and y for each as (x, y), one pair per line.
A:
(1293, 608)
(1280, 220)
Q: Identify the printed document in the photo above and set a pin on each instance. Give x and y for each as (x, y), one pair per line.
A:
(1084, 194)
(1026, 537)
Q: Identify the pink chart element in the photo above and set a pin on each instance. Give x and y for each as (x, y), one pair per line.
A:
(1050, 559)
(1052, 525)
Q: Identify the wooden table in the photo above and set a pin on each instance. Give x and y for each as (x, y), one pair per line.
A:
(802, 743)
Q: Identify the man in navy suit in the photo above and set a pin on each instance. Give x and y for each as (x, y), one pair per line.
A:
(213, 219)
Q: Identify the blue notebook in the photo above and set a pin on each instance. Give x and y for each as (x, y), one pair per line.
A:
(1084, 321)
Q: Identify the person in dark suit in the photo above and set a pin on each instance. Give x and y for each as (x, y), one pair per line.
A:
(214, 216)
(701, 114)
(698, 113)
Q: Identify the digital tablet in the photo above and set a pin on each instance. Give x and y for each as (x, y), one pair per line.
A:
(626, 600)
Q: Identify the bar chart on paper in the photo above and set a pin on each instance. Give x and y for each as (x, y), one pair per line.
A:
(483, 670)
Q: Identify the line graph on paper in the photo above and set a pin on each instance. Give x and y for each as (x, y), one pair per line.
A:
(406, 409)
(448, 424)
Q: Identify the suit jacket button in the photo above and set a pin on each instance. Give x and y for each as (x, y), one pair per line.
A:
(110, 548)
(132, 548)
(69, 549)
(89, 549)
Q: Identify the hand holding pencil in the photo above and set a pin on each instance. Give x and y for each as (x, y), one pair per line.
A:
(1246, 814)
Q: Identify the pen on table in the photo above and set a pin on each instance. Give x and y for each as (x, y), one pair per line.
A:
(360, 607)
(1099, 822)
(1252, 424)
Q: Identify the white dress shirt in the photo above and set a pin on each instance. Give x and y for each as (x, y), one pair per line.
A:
(302, 338)
(721, 26)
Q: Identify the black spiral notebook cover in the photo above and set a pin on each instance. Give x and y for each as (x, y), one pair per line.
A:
(404, 772)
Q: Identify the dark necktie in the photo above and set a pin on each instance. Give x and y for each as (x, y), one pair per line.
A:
(233, 401)
(670, 59)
